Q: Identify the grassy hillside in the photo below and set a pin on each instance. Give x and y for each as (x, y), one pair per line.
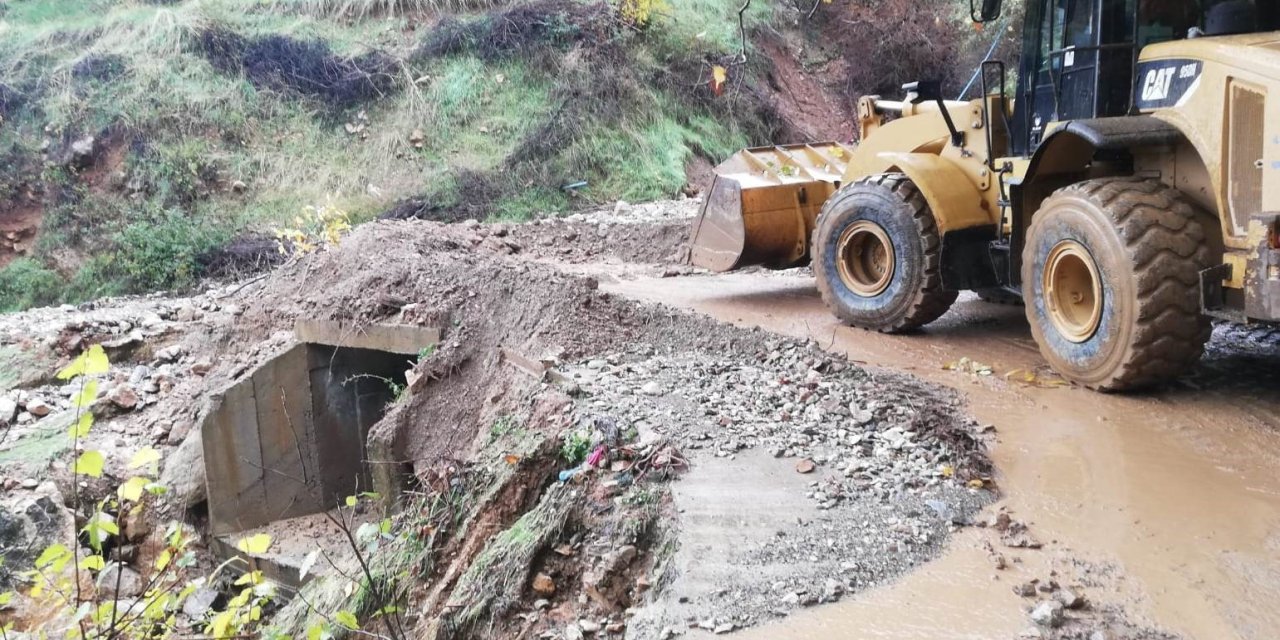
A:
(137, 136)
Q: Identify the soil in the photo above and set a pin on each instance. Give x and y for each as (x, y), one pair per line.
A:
(749, 466)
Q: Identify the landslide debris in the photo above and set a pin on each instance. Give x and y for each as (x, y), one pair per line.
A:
(532, 457)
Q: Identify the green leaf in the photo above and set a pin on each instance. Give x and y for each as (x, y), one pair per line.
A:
(144, 456)
(81, 428)
(93, 563)
(351, 501)
(54, 557)
(255, 544)
(6, 598)
(347, 619)
(90, 464)
(88, 393)
(132, 489)
(93, 361)
(316, 632)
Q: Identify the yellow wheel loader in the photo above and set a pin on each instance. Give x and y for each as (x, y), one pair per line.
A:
(1129, 194)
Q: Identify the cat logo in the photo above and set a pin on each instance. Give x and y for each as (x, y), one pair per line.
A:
(1156, 85)
(1160, 84)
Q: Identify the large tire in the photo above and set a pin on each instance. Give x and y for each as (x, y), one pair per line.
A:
(900, 291)
(1138, 322)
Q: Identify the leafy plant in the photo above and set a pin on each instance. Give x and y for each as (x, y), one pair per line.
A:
(577, 444)
(316, 227)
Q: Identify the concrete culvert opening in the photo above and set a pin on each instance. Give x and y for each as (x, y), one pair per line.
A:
(287, 441)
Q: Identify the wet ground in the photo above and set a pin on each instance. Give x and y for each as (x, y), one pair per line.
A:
(1174, 496)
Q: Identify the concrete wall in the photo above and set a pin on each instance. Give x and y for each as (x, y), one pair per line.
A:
(289, 439)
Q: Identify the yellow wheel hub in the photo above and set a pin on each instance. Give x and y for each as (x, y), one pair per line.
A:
(865, 258)
(1072, 291)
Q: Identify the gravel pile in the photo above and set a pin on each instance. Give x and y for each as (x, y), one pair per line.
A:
(892, 468)
(882, 436)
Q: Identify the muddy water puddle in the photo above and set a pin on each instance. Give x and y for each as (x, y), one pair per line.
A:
(1178, 491)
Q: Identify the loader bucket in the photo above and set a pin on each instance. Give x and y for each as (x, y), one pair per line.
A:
(762, 206)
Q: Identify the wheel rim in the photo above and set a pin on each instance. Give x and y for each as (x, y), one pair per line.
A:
(1072, 291)
(865, 258)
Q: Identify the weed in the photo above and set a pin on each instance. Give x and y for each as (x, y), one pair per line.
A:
(426, 352)
(302, 67)
(505, 424)
(577, 444)
(162, 253)
(25, 283)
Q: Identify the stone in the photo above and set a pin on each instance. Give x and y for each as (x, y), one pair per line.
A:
(573, 632)
(183, 473)
(119, 581)
(1069, 598)
(38, 408)
(202, 368)
(805, 465)
(1048, 614)
(724, 627)
(543, 584)
(1026, 589)
(790, 599)
(82, 148)
(30, 483)
(136, 524)
(541, 603)
(589, 626)
(139, 374)
(200, 602)
(124, 397)
(8, 409)
(651, 389)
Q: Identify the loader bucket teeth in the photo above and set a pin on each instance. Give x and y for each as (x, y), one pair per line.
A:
(762, 206)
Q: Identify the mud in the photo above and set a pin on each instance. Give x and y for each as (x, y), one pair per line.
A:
(1176, 489)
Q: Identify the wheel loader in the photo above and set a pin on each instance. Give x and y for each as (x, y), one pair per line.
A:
(1128, 189)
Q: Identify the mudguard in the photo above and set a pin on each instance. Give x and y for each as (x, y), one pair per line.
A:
(954, 200)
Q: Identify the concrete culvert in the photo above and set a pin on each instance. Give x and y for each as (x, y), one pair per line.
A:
(288, 440)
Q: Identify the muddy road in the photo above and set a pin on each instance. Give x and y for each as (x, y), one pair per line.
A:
(1171, 499)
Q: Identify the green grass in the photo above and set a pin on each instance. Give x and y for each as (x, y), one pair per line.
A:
(133, 73)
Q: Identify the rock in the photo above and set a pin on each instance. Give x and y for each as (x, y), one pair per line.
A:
(38, 408)
(805, 465)
(589, 626)
(1069, 598)
(200, 602)
(790, 599)
(651, 389)
(82, 148)
(124, 397)
(30, 483)
(724, 627)
(136, 525)
(184, 473)
(139, 374)
(239, 186)
(1026, 589)
(541, 603)
(543, 584)
(1048, 614)
(119, 581)
(573, 632)
(8, 410)
(202, 368)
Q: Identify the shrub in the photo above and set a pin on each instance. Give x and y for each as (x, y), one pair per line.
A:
(302, 67)
(164, 253)
(25, 283)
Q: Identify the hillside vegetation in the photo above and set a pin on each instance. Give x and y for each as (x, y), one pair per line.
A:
(139, 140)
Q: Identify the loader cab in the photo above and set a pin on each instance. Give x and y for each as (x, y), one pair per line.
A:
(1078, 56)
(1077, 62)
